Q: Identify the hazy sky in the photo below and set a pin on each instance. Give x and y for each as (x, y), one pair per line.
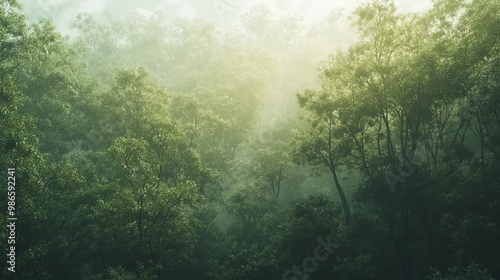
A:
(63, 12)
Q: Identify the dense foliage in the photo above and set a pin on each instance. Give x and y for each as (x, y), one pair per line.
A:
(187, 150)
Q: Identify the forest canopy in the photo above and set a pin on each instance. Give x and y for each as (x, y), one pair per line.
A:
(360, 146)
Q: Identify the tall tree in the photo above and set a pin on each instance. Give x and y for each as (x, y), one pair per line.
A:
(322, 144)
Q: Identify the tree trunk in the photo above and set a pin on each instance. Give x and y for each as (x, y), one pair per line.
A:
(345, 205)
